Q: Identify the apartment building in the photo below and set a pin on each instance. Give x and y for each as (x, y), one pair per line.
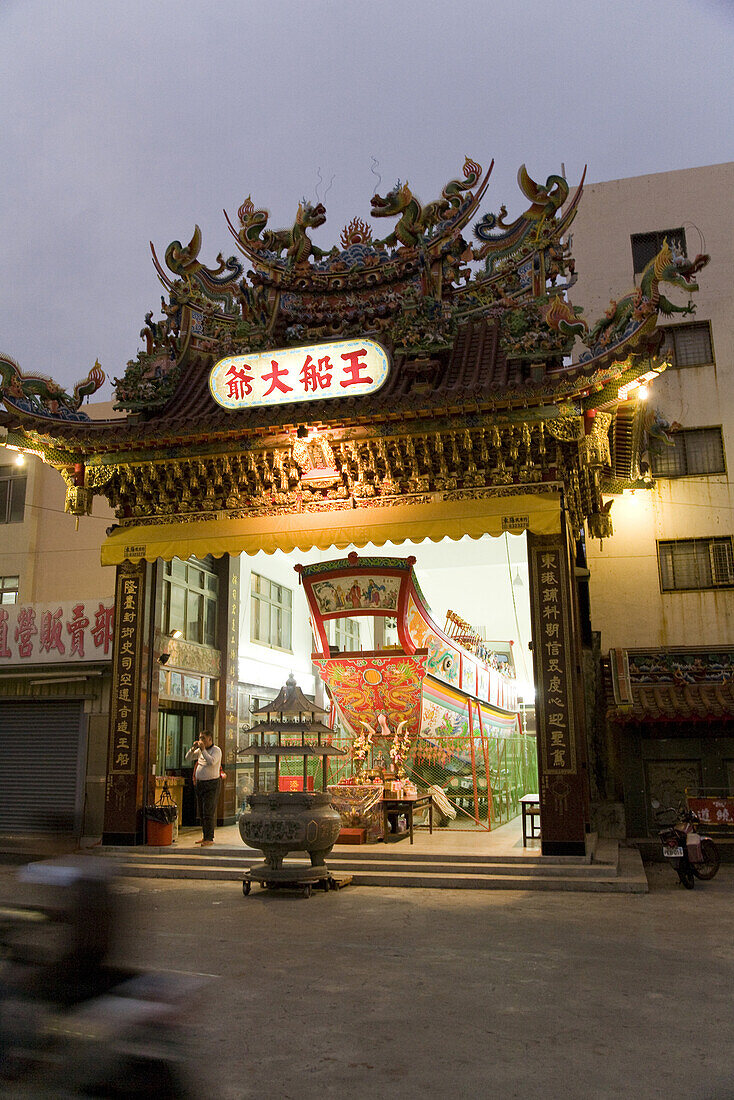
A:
(662, 589)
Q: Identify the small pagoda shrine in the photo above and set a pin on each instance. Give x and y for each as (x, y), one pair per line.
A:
(279, 822)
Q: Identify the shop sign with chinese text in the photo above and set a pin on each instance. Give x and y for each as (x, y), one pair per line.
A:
(341, 368)
(40, 634)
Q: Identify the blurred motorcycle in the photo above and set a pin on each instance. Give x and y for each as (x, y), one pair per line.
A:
(70, 1025)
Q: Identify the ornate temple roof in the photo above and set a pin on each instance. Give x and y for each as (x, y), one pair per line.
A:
(477, 330)
(669, 685)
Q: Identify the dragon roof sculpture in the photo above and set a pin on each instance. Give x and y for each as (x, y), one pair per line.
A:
(478, 327)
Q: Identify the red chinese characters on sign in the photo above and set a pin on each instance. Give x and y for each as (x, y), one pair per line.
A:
(315, 376)
(76, 628)
(239, 382)
(25, 630)
(104, 621)
(275, 378)
(51, 632)
(355, 366)
(37, 633)
(338, 368)
(4, 616)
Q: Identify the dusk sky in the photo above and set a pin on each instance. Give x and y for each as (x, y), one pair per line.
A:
(126, 121)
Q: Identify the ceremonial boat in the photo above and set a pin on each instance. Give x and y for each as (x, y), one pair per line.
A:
(444, 695)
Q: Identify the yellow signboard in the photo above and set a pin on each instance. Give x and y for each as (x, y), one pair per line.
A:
(340, 368)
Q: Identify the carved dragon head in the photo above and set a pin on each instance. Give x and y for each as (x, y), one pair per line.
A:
(394, 202)
(671, 266)
(310, 217)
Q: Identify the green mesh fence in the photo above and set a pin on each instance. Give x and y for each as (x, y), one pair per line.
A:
(483, 776)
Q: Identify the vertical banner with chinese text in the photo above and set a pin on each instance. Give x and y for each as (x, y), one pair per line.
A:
(229, 609)
(122, 778)
(561, 751)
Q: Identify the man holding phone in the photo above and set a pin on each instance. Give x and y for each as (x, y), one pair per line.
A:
(207, 768)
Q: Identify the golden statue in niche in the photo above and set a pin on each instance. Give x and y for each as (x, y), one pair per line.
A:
(315, 460)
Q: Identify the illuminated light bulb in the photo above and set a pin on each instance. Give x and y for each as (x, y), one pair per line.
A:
(20, 460)
(642, 393)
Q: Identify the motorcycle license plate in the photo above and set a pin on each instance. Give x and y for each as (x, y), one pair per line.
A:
(673, 853)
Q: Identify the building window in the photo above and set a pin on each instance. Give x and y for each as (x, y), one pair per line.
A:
(687, 564)
(12, 494)
(687, 345)
(9, 587)
(345, 634)
(694, 451)
(190, 593)
(645, 246)
(271, 613)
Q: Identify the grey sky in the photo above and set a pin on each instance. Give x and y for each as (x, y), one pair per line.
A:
(126, 121)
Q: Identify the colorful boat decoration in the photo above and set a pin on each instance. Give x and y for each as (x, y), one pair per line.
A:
(430, 683)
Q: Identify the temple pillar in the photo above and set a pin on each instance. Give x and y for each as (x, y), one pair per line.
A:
(133, 705)
(562, 765)
(228, 642)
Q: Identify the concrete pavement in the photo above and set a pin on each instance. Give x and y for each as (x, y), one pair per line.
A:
(374, 992)
(379, 992)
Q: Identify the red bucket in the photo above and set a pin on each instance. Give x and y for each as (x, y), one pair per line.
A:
(159, 835)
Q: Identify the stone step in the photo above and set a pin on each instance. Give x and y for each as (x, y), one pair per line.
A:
(447, 866)
(606, 853)
(631, 882)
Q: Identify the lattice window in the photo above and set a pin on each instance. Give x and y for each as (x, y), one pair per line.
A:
(270, 613)
(190, 597)
(693, 564)
(9, 588)
(694, 451)
(12, 494)
(645, 246)
(688, 345)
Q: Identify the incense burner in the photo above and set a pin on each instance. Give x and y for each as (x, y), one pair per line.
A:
(290, 821)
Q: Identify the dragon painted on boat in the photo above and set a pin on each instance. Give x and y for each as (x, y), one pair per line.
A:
(429, 682)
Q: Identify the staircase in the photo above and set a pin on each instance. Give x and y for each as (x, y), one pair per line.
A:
(610, 869)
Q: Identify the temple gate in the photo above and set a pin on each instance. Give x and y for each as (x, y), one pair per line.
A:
(418, 386)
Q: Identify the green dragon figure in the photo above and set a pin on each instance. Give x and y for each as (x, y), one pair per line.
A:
(635, 313)
(253, 235)
(546, 200)
(42, 395)
(183, 260)
(669, 266)
(416, 219)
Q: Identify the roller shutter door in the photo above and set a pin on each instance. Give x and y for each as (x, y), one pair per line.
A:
(42, 766)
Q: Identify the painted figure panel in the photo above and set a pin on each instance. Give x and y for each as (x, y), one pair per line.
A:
(376, 592)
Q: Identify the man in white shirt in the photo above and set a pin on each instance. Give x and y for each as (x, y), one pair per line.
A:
(206, 782)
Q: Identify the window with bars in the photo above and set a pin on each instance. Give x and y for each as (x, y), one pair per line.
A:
(687, 345)
(190, 596)
(270, 613)
(12, 494)
(694, 451)
(9, 588)
(645, 246)
(693, 564)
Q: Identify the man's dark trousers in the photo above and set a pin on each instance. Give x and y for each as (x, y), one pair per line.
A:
(207, 796)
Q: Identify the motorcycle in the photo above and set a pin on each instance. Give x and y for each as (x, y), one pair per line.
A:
(70, 1024)
(693, 856)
